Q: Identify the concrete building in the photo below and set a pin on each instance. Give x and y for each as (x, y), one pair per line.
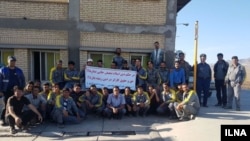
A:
(38, 32)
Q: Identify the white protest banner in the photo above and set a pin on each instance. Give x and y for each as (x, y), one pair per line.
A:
(104, 77)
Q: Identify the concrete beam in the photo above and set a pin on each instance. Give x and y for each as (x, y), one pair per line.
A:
(25, 23)
(131, 50)
(124, 28)
(11, 46)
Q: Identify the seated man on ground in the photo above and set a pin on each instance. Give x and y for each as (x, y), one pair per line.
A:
(141, 102)
(167, 100)
(28, 88)
(92, 101)
(190, 105)
(51, 99)
(46, 90)
(105, 94)
(37, 100)
(15, 113)
(76, 94)
(129, 102)
(154, 99)
(38, 83)
(65, 110)
(115, 104)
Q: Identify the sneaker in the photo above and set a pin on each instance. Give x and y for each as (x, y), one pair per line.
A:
(192, 117)
(13, 131)
(25, 128)
(183, 119)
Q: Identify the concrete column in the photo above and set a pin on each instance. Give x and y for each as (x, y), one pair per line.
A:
(74, 10)
(64, 57)
(170, 34)
(73, 33)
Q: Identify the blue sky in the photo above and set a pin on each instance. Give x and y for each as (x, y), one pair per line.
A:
(224, 26)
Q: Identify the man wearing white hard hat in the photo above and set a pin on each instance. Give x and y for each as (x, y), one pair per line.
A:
(82, 74)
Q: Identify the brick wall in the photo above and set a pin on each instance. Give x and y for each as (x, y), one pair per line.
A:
(32, 36)
(149, 12)
(23, 61)
(33, 10)
(138, 41)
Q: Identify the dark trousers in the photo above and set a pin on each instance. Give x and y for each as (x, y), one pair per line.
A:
(26, 116)
(153, 106)
(221, 92)
(109, 113)
(7, 94)
(203, 86)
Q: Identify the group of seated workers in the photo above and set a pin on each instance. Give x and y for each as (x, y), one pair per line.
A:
(35, 104)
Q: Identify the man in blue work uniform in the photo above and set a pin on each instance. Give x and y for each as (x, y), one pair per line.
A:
(10, 76)
(204, 73)
(141, 74)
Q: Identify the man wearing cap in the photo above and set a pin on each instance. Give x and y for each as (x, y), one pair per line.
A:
(235, 77)
(10, 76)
(57, 74)
(204, 73)
(220, 72)
(90, 62)
(82, 74)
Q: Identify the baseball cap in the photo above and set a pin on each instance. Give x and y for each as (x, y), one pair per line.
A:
(90, 60)
(203, 55)
(11, 58)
